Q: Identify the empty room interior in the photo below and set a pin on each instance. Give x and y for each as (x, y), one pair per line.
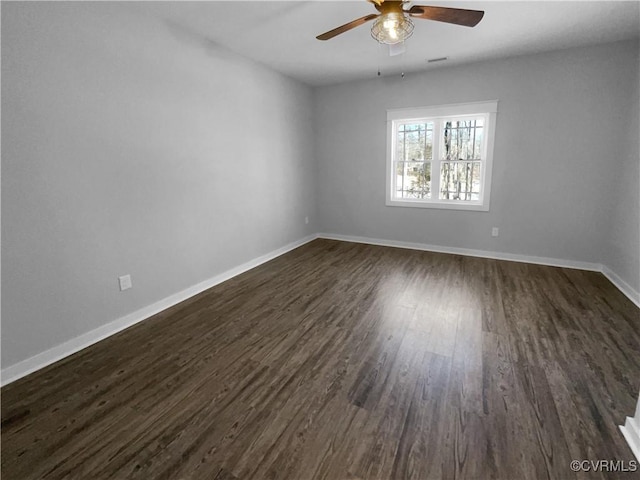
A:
(320, 240)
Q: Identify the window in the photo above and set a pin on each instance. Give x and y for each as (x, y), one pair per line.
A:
(440, 157)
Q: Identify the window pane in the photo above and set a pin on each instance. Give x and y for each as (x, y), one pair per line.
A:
(463, 139)
(413, 180)
(414, 142)
(460, 181)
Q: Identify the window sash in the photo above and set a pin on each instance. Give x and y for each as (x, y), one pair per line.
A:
(438, 155)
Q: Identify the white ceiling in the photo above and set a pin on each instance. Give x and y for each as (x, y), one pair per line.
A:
(282, 35)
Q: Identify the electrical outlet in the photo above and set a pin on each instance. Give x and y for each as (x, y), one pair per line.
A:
(125, 282)
(495, 231)
(306, 220)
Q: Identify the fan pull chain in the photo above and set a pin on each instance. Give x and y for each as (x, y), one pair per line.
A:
(403, 61)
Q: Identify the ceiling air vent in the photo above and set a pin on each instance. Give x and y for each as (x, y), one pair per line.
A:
(441, 59)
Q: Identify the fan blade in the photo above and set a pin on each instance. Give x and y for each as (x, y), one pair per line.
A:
(459, 16)
(346, 26)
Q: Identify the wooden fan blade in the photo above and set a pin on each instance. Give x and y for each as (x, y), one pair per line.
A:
(346, 26)
(459, 16)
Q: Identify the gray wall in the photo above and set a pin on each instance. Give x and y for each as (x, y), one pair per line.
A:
(623, 242)
(562, 131)
(132, 146)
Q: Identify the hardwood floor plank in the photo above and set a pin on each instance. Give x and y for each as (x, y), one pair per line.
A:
(506, 414)
(549, 452)
(426, 426)
(465, 389)
(387, 422)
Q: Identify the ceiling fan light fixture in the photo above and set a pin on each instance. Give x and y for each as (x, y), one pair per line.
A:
(392, 27)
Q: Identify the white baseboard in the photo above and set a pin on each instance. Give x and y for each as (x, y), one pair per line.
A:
(41, 360)
(554, 262)
(623, 286)
(631, 432)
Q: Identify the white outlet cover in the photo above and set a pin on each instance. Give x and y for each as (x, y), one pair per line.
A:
(495, 231)
(125, 282)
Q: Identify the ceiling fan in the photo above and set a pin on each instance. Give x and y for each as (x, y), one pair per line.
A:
(393, 24)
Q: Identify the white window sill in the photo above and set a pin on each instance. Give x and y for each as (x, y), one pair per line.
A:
(473, 206)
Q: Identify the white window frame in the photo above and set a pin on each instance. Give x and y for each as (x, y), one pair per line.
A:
(436, 114)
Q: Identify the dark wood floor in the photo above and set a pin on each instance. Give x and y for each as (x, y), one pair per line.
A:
(345, 361)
